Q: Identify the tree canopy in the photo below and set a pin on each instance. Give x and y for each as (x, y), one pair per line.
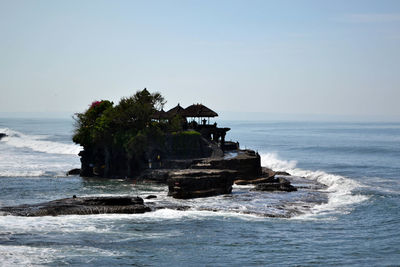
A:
(121, 125)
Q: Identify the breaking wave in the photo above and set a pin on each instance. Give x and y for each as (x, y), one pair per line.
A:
(339, 189)
(36, 143)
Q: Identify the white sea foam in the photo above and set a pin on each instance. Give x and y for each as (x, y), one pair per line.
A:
(36, 143)
(22, 156)
(25, 255)
(36, 256)
(13, 163)
(339, 189)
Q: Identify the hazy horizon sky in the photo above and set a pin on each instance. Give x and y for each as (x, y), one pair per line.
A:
(320, 58)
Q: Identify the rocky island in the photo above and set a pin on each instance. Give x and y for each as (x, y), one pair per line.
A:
(137, 139)
(179, 147)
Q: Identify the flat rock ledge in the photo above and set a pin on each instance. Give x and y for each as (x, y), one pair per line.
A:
(194, 183)
(275, 184)
(80, 206)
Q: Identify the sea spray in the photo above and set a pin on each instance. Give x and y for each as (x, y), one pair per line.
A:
(340, 189)
(36, 143)
(24, 155)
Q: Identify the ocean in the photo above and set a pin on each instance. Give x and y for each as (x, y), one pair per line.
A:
(346, 212)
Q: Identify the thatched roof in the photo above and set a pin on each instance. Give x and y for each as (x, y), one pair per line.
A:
(199, 110)
(159, 115)
(178, 110)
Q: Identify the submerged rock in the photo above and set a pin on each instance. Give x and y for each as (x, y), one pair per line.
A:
(193, 183)
(277, 184)
(80, 206)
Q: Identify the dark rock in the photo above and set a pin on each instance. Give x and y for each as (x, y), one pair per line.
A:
(267, 176)
(255, 181)
(229, 145)
(2, 135)
(155, 175)
(150, 197)
(278, 184)
(282, 173)
(194, 183)
(247, 164)
(74, 172)
(80, 206)
(266, 172)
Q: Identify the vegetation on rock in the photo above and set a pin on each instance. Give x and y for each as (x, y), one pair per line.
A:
(120, 140)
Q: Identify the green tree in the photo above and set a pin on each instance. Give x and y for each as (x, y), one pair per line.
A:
(105, 131)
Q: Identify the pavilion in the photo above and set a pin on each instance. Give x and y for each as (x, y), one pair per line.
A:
(203, 115)
(200, 112)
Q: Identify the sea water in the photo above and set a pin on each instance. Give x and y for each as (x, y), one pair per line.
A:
(350, 216)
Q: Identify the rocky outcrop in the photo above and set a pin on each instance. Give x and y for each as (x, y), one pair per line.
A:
(281, 173)
(155, 175)
(247, 164)
(275, 184)
(193, 183)
(2, 135)
(74, 172)
(267, 175)
(177, 151)
(80, 206)
(253, 181)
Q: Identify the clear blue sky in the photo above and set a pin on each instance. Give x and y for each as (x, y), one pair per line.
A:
(293, 57)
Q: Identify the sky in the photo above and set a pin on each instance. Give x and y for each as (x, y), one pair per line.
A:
(244, 58)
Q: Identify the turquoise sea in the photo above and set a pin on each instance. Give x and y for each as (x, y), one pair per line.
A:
(353, 220)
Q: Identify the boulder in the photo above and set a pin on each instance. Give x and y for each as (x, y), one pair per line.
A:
(266, 172)
(2, 135)
(80, 206)
(277, 184)
(74, 172)
(150, 197)
(194, 183)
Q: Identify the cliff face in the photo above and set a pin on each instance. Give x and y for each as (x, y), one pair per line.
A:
(111, 162)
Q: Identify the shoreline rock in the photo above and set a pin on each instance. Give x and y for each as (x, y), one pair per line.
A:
(275, 184)
(195, 183)
(75, 171)
(2, 135)
(80, 206)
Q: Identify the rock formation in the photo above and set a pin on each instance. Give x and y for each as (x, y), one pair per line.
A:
(137, 139)
(192, 183)
(80, 206)
(74, 172)
(2, 135)
(275, 184)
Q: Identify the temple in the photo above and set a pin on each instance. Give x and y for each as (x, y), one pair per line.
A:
(197, 117)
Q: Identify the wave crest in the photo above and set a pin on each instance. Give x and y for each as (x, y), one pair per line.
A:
(340, 189)
(36, 143)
